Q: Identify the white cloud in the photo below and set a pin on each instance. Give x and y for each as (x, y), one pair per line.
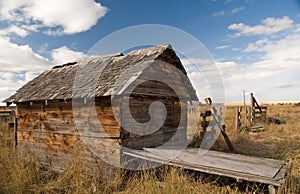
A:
(272, 74)
(69, 16)
(237, 10)
(14, 30)
(222, 47)
(11, 81)
(64, 55)
(257, 46)
(31, 27)
(235, 49)
(268, 26)
(205, 77)
(219, 13)
(20, 57)
(262, 78)
(279, 53)
(283, 53)
(20, 64)
(277, 64)
(297, 28)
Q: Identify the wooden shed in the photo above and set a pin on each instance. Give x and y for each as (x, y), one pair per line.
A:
(47, 127)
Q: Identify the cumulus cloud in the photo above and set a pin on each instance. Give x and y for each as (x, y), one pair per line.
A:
(20, 57)
(277, 54)
(273, 75)
(268, 26)
(64, 55)
(277, 65)
(20, 64)
(283, 50)
(262, 78)
(205, 77)
(11, 81)
(68, 16)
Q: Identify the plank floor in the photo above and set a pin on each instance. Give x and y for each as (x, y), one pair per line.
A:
(255, 169)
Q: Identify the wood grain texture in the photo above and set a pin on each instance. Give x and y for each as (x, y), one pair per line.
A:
(261, 170)
(52, 124)
(50, 133)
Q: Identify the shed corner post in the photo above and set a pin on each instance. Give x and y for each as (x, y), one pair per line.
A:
(15, 129)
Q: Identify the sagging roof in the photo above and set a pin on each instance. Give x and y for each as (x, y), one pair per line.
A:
(58, 82)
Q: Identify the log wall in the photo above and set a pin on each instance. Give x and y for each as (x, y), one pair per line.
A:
(48, 128)
(141, 98)
(139, 110)
(48, 131)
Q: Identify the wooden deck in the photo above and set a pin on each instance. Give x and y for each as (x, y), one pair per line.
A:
(262, 170)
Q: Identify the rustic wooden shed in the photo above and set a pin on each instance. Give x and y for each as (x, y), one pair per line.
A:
(45, 107)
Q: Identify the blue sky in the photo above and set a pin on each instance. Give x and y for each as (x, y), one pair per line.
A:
(255, 43)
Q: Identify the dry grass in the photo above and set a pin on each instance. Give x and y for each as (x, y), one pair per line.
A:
(277, 141)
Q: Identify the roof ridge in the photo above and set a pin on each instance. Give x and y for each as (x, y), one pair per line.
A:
(161, 47)
(88, 58)
(57, 83)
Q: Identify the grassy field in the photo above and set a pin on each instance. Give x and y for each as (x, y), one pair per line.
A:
(276, 141)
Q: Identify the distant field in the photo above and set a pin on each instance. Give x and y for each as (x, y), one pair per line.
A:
(263, 103)
(276, 141)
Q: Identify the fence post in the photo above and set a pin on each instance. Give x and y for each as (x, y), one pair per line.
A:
(245, 108)
(252, 107)
(238, 122)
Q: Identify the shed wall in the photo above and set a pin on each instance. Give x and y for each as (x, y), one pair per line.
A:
(49, 133)
(174, 122)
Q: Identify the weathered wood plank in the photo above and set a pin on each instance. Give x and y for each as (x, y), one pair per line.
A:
(49, 132)
(248, 168)
(139, 111)
(60, 161)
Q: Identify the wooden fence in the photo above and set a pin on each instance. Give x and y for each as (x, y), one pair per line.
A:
(252, 114)
(8, 128)
(258, 113)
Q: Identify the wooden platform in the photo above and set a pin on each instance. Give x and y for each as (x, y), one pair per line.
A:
(262, 170)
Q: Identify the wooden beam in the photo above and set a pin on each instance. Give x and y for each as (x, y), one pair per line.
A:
(257, 105)
(276, 120)
(217, 119)
(245, 108)
(227, 140)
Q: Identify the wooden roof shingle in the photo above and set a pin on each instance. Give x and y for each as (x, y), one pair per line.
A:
(60, 81)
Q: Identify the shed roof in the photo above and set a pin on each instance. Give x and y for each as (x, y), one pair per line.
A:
(58, 82)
